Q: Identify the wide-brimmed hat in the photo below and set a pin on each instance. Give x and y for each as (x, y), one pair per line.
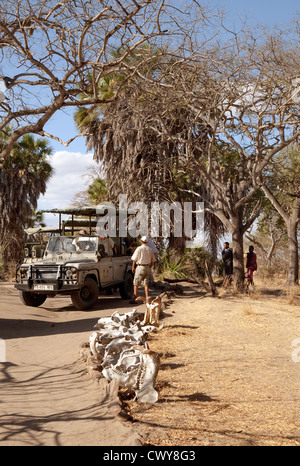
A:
(144, 239)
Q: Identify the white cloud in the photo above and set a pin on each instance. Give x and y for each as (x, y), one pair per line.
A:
(68, 179)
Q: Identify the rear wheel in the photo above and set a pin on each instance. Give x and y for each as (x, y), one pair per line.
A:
(87, 296)
(32, 299)
(126, 288)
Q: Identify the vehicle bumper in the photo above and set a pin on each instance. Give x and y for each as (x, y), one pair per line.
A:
(47, 288)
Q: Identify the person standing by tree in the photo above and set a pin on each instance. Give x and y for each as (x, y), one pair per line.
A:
(251, 264)
(227, 257)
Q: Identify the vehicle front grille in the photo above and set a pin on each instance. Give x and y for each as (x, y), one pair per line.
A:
(45, 274)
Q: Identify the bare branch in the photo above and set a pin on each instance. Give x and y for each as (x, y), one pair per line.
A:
(48, 54)
(55, 138)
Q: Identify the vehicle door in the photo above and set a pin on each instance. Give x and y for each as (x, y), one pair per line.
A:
(119, 266)
(106, 271)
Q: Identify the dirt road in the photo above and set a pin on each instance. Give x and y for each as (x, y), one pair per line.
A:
(47, 398)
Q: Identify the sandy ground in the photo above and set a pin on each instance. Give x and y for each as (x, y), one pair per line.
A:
(229, 374)
(47, 397)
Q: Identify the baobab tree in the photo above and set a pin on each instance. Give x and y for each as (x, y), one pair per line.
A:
(281, 185)
(246, 98)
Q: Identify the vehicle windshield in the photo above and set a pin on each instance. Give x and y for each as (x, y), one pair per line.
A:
(71, 244)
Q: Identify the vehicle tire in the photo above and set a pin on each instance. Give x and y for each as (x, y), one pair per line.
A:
(32, 299)
(126, 288)
(87, 296)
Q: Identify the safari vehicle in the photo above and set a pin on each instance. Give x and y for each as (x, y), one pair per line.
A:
(74, 265)
(35, 243)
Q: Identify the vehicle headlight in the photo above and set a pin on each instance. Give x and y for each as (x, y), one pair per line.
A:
(71, 274)
(23, 272)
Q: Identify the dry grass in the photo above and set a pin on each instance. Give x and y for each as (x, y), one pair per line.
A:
(291, 296)
(226, 375)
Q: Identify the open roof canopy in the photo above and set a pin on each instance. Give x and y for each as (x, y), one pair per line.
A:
(89, 215)
(90, 211)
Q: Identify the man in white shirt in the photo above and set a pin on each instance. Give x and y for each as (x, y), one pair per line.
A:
(142, 261)
(109, 245)
(151, 244)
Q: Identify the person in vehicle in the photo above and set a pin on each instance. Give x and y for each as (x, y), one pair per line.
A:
(109, 245)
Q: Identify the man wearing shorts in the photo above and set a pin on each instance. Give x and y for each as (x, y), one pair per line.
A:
(142, 261)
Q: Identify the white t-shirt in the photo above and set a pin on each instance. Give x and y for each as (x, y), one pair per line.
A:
(108, 245)
(143, 255)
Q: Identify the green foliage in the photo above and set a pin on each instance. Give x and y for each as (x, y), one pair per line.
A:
(23, 178)
(189, 265)
(195, 261)
(30, 154)
(170, 267)
(37, 219)
(97, 191)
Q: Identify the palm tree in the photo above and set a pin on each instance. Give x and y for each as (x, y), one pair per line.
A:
(23, 179)
(37, 219)
(97, 191)
(137, 157)
(128, 150)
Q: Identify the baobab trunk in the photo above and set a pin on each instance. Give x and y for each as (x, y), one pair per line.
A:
(293, 264)
(238, 253)
(177, 244)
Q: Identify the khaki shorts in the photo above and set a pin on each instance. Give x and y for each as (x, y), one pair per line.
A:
(142, 275)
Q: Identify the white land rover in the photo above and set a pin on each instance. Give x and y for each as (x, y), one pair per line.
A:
(75, 266)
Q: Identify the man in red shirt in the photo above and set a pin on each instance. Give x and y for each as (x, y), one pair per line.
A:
(251, 264)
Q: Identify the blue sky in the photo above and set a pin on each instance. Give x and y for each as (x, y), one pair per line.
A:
(267, 12)
(72, 162)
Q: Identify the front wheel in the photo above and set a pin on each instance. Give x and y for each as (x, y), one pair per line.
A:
(32, 299)
(126, 288)
(87, 296)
